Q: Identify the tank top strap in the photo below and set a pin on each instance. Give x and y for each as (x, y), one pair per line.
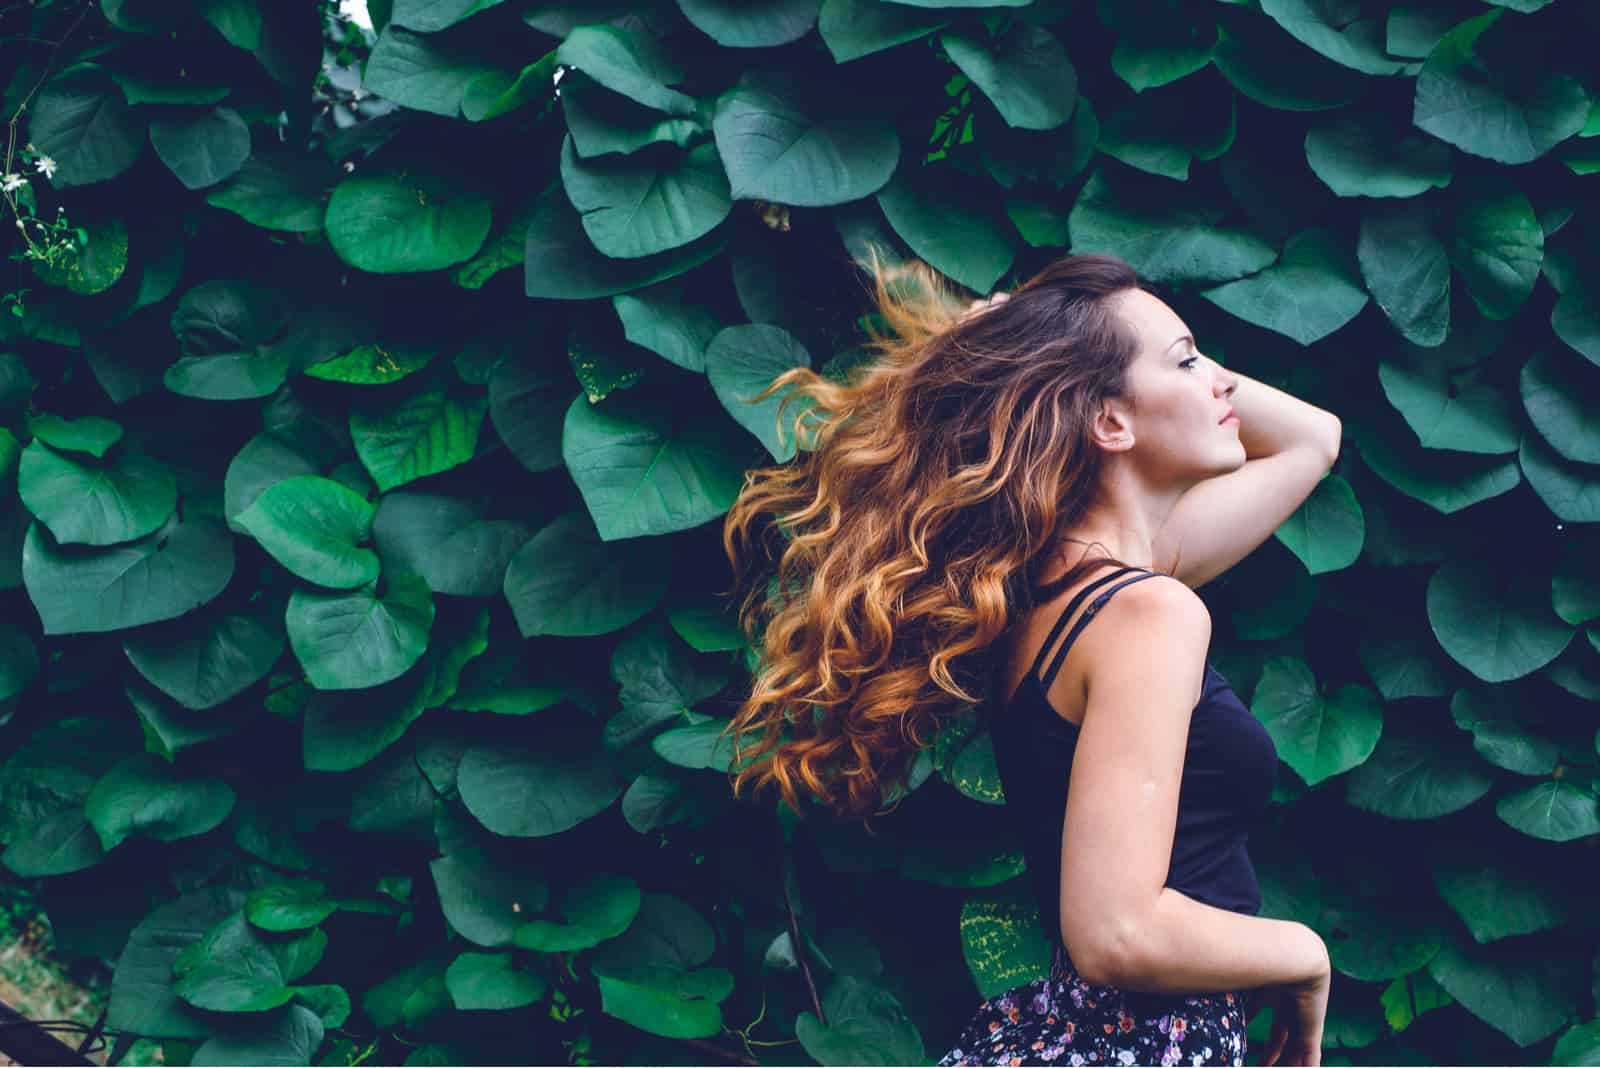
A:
(1060, 656)
(1066, 614)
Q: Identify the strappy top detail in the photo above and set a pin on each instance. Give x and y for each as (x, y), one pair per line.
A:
(1229, 770)
(1056, 661)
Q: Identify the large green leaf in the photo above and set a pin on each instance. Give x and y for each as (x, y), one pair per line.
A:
(143, 794)
(774, 149)
(487, 896)
(1512, 110)
(202, 148)
(1523, 992)
(1557, 391)
(431, 15)
(1159, 41)
(314, 526)
(357, 639)
(346, 729)
(631, 207)
(446, 541)
(201, 662)
(422, 71)
(1166, 239)
(231, 969)
(373, 364)
(1570, 490)
(1414, 777)
(278, 190)
(659, 319)
(1342, 31)
(491, 981)
(1445, 481)
(647, 467)
(554, 778)
(629, 61)
(1024, 72)
(1502, 733)
(410, 995)
(142, 998)
(172, 571)
(599, 906)
(228, 332)
(394, 223)
(566, 580)
(1406, 268)
(1164, 131)
(747, 24)
(855, 28)
(1499, 898)
(602, 122)
(1319, 737)
(1553, 810)
(1495, 623)
(1001, 938)
(1271, 67)
(1309, 293)
(1366, 155)
(933, 211)
(1497, 244)
(866, 1025)
(1446, 408)
(422, 435)
(91, 434)
(288, 1037)
(652, 977)
(743, 360)
(42, 789)
(561, 263)
(1326, 531)
(264, 460)
(85, 502)
(80, 120)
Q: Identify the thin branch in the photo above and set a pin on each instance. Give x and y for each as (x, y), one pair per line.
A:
(712, 1047)
(794, 928)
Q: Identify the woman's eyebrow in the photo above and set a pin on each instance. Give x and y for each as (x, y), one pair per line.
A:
(1184, 337)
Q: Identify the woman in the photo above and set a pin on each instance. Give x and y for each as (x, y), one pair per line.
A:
(964, 495)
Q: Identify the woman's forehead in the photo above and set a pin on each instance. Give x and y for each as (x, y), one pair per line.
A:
(1158, 325)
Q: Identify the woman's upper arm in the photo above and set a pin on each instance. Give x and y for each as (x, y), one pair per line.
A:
(1146, 669)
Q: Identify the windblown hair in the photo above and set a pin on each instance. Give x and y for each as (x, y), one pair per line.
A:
(940, 478)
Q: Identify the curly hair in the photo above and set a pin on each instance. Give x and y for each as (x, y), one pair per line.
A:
(915, 522)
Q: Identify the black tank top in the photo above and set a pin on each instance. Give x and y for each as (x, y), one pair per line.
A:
(1229, 769)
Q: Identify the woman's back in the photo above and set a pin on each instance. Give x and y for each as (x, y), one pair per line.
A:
(1036, 718)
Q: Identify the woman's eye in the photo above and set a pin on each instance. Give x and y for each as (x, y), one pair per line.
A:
(1189, 361)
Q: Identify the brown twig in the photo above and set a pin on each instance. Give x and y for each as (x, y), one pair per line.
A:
(794, 929)
(712, 1047)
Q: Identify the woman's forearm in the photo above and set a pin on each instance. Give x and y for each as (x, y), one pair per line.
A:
(1271, 420)
(1184, 946)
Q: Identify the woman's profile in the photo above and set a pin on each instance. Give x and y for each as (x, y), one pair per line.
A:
(1005, 514)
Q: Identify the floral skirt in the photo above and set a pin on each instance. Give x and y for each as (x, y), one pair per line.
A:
(1061, 1019)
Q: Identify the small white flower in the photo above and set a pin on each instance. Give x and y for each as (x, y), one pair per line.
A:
(12, 182)
(45, 166)
(349, 166)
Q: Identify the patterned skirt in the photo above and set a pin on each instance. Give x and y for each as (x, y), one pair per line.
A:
(1061, 1019)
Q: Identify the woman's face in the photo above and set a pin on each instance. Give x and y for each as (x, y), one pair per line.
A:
(1181, 394)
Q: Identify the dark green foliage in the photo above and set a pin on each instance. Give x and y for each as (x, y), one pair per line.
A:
(362, 464)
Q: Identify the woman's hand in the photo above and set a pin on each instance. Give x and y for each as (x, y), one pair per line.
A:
(1298, 1014)
(978, 306)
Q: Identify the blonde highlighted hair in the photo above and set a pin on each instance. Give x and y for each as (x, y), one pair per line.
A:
(911, 530)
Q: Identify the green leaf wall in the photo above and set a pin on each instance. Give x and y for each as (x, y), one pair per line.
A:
(362, 657)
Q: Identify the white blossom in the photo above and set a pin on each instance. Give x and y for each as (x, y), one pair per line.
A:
(45, 166)
(10, 183)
